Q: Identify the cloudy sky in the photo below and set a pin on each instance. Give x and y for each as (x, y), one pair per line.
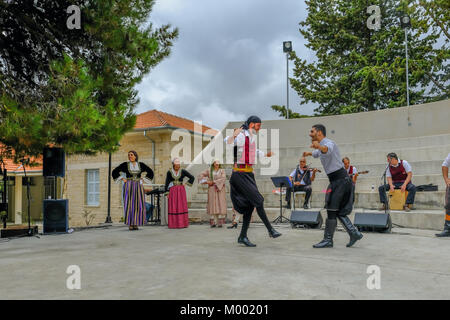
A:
(228, 62)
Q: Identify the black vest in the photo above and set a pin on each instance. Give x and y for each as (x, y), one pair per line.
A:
(306, 176)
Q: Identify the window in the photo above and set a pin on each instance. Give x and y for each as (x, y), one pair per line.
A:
(49, 187)
(93, 187)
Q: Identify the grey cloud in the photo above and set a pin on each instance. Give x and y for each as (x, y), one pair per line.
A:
(228, 62)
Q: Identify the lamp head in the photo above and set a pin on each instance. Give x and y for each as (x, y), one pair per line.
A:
(287, 46)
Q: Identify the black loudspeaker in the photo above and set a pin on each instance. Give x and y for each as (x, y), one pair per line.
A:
(379, 222)
(56, 218)
(307, 219)
(54, 162)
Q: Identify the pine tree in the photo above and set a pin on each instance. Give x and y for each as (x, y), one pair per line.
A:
(74, 87)
(284, 114)
(359, 69)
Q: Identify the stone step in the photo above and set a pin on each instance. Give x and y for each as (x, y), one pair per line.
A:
(364, 184)
(423, 201)
(378, 145)
(200, 215)
(416, 158)
(424, 159)
(375, 168)
(370, 153)
(417, 219)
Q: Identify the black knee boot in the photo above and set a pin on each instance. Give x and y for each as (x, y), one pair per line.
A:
(263, 216)
(327, 242)
(354, 233)
(243, 236)
(446, 232)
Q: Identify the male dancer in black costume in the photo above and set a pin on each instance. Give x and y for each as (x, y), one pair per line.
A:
(339, 196)
(244, 192)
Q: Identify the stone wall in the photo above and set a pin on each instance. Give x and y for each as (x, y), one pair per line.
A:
(419, 134)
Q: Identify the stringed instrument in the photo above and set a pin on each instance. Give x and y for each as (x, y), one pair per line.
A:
(358, 173)
(312, 169)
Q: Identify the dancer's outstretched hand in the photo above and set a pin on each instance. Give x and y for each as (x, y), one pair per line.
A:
(315, 145)
(237, 131)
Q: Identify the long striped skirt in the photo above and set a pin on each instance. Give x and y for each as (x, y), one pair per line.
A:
(178, 209)
(134, 203)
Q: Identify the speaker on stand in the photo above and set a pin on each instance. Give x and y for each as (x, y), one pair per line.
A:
(55, 211)
(54, 162)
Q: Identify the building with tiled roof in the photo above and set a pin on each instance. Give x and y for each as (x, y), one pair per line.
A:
(154, 136)
(157, 137)
(17, 168)
(159, 119)
(16, 188)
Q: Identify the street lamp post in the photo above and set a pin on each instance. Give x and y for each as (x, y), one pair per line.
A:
(287, 47)
(405, 23)
(108, 216)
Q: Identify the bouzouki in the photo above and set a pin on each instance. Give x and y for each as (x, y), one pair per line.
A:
(358, 173)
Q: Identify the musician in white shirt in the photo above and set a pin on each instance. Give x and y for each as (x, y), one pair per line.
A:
(445, 166)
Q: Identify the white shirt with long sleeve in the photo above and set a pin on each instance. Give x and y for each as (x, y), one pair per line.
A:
(240, 143)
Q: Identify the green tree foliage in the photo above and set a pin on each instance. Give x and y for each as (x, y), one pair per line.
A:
(283, 112)
(74, 88)
(358, 69)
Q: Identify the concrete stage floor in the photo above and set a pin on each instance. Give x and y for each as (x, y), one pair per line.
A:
(204, 263)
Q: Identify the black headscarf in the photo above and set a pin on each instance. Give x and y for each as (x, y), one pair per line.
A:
(254, 119)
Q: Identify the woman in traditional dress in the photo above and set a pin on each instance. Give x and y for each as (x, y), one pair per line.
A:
(133, 191)
(215, 178)
(178, 209)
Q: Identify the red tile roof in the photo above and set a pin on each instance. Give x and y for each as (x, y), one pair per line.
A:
(17, 167)
(156, 118)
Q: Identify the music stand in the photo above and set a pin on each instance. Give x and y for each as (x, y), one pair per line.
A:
(281, 182)
(156, 193)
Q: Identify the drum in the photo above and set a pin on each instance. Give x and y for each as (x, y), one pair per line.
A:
(398, 199)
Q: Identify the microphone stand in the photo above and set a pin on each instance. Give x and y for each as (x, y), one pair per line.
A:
(4, 203)
(386, 205)
(29, 233)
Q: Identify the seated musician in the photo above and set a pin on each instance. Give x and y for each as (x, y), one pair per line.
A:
(149, 211)
(351, 170)
(301, 179)
(399, 176)
(149, 207)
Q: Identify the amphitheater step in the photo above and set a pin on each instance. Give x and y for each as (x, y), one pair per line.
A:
(416, 219)
(433, 200)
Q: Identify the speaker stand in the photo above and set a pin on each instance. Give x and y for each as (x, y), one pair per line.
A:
(4, 206)
(30, 232)
(387, 205)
